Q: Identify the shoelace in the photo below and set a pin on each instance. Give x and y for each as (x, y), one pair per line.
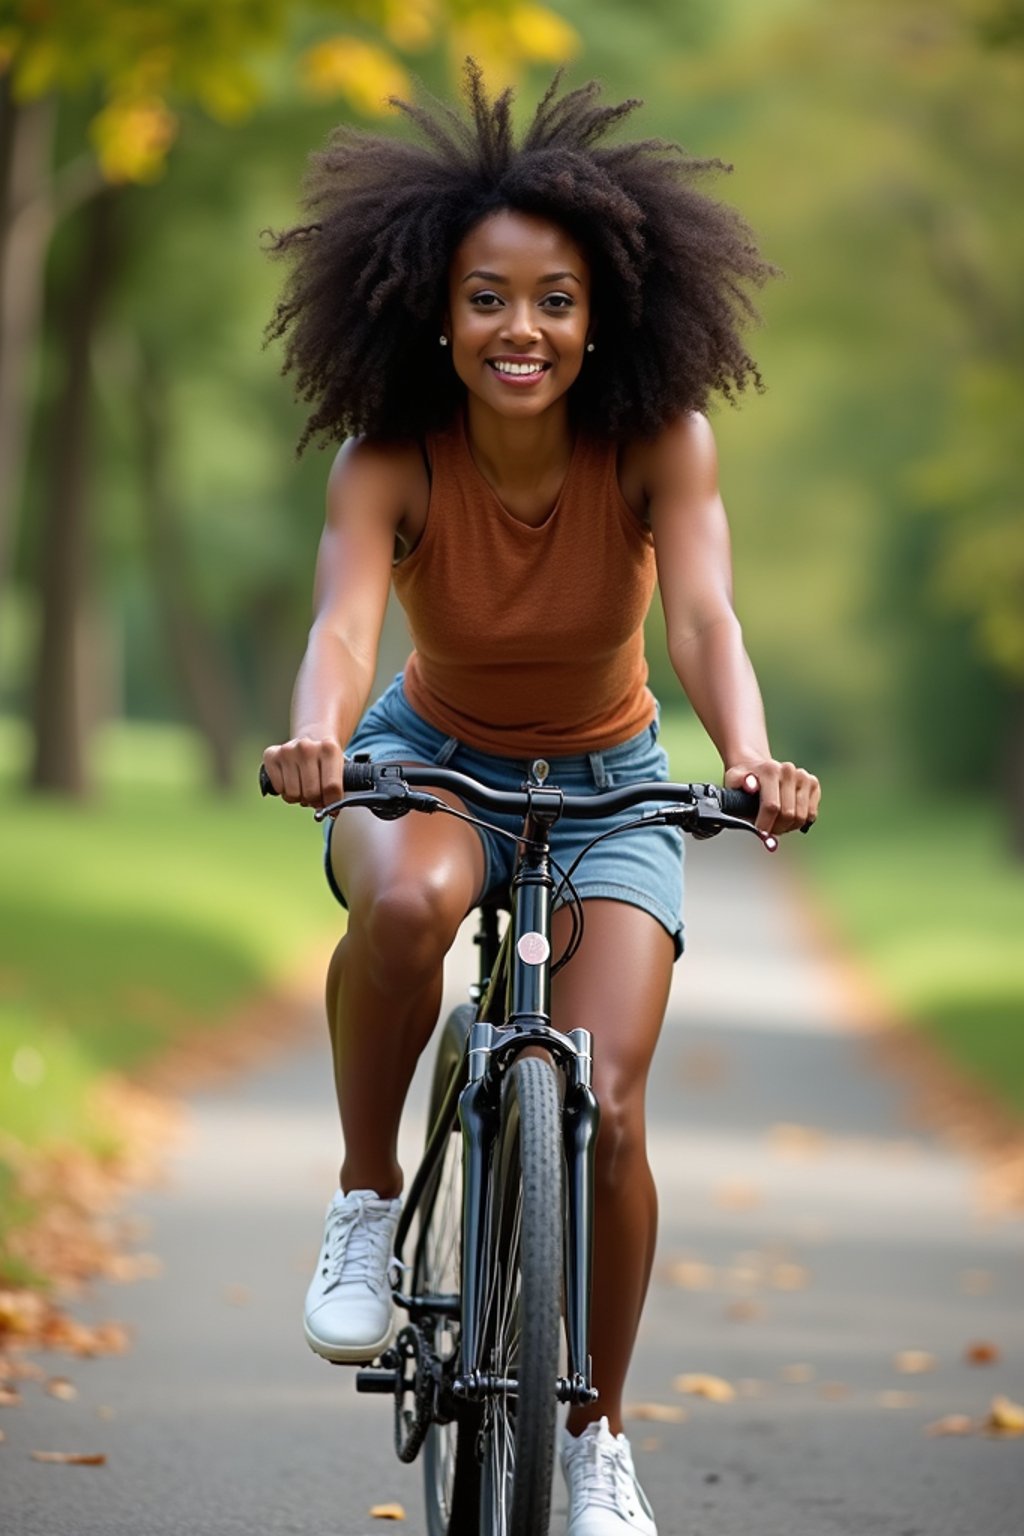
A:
(357, 1246)
(603, 1475)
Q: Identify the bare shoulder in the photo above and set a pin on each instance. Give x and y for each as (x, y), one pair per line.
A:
(682, 458)
(382, 482)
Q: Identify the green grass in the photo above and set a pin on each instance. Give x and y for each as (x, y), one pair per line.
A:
(152, 911)
(925, 891)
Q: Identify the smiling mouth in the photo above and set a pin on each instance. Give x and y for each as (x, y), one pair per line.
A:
(529, 368)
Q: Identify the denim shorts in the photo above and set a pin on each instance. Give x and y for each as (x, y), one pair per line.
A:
(642, 867)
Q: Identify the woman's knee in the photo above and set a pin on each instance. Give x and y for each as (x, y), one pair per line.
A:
(621, 1141)
(404, 929)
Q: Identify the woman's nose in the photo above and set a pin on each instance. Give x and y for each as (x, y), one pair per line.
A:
(520, 326)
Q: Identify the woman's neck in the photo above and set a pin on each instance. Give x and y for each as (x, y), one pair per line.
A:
(518, 452)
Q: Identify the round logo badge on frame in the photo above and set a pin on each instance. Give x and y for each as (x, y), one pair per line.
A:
(533, 949)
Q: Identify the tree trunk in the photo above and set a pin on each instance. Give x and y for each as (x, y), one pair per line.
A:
(26, 223)
(64, 688)
(204, 677)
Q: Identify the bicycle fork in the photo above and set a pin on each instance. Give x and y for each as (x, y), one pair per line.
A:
(479, 1114)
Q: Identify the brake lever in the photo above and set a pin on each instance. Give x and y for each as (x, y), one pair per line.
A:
(704, 818)
(391, 799)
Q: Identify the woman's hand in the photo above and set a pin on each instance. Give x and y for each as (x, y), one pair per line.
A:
(789, 795)
(307, 770)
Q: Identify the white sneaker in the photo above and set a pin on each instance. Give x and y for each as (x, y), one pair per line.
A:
(348, 1304)
(605, 1498)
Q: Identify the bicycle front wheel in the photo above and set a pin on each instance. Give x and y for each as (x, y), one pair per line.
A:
(522, 1309)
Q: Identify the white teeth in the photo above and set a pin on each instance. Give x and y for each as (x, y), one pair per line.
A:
(518, 368)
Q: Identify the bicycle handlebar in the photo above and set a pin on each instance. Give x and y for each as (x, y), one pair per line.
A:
(388, 789)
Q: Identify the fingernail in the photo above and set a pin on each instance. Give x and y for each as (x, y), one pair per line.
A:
(750, 781)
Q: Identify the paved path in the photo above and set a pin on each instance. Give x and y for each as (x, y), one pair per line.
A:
(809, 1234)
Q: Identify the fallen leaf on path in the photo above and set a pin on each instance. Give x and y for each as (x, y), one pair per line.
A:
(797, 1140)
(650, 1443)
(832, 1391)
(890, 1399)
(103, 1412)
(749, 1386)
(976, 1282)
(60, 1387)
(981, 1353)
(237, 1296)
(21, 1312)
(1005, 1417)
(951, 1424)
(737, 1196)
(9, 1398)
(799, 1372)
(744, 1311)
(387, 1512)
(692, 1275)
(714, 1388)
(742, 1277)
(914, 1362)
(657, 1413)
(71, 1458)
(789, 1277)
(126, 1268)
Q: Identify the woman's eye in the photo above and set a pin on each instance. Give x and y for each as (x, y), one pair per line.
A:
(485, 300)
(558, 301)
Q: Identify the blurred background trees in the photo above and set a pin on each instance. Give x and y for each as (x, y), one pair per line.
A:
(156, 533)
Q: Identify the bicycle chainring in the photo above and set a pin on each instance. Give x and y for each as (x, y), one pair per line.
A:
(416, 1376)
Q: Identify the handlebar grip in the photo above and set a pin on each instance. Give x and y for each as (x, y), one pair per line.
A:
(266, 788)
(357, 776)
(740, 802)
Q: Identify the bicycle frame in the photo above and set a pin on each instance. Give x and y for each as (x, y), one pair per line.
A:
(514, 1016)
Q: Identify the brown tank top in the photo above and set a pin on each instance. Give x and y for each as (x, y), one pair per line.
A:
(529, 641)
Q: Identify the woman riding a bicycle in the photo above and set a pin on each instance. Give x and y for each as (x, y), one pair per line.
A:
(518, 340)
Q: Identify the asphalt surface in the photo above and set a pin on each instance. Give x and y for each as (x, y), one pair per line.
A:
(810, 1235)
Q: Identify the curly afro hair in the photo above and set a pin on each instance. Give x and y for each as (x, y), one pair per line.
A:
(363, 303)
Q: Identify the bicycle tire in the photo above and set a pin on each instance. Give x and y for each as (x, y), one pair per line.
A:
(451, 1468)
(522, 1319)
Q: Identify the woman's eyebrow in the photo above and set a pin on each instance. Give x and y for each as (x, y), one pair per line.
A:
(496, 277)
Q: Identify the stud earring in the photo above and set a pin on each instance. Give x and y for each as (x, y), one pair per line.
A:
(443, 340)
(590, 346)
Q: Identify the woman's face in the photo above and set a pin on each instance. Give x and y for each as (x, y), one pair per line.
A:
(518, 312)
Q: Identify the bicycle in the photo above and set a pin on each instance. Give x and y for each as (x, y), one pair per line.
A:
(503, 1198)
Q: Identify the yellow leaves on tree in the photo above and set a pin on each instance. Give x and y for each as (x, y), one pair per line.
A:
(149, 58)
(542, 37)
(502, 40)
(411, 24)
(364, 74)
(132, 139)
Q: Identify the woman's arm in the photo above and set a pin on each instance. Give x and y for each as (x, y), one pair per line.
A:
(367, 494)
(705, 642)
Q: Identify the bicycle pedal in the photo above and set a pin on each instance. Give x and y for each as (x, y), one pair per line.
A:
(376, 1379)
